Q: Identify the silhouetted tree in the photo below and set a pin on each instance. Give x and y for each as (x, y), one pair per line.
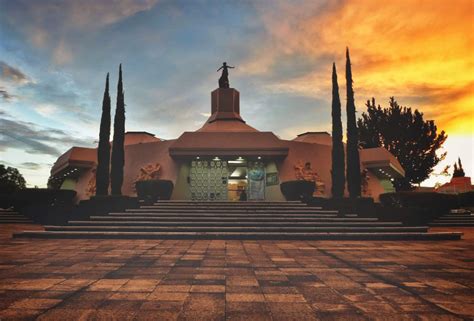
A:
(118, 157)
(353, 163)
(11, 180)
(458, 170)
(103, 151)
(406, 135)
(337, 171)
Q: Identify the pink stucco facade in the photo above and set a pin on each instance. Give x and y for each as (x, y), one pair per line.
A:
(226, 136)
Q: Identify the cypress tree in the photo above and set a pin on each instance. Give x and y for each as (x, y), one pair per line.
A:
(337, 172)
(456, 170)
(103, 151)
(353, 162)
(461, 170)
(118, 157)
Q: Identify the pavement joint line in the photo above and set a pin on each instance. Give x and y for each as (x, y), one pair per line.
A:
(359, 311)
(401, 286)
(82, 289)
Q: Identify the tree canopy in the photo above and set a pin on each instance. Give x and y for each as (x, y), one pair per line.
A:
(404, 133)
(11, 180)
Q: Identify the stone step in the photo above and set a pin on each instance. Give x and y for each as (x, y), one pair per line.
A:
(237, 229)
(211, 204)
(13, 221)
(230, 202)
(465, 224)
(11, 216)
(456, 218)
(243, 235)
(225, 210)
(239, 219)
(220, 223)
(454, 221)
(14, 218)
(190, 214)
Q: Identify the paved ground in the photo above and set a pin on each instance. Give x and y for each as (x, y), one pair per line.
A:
(235, 280)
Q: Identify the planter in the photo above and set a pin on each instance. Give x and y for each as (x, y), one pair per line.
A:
(152, 190)
(299, 190)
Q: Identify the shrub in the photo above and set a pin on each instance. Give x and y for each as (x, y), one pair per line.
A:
(45, 196)
(152, 190)
(46, 206)
(297, 190)
(420, 199)
(429, 205)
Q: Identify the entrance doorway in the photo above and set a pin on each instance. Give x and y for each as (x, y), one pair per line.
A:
(233, 180)
(208, 180)
(237, 182)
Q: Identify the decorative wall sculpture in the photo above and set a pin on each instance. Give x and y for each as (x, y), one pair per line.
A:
(148, 172)
(364, 179)
(91, 187)
(306, 173)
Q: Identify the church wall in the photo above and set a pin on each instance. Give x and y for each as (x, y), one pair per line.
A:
(273, 192)
(299, 153)
(83, 183)
(181, 188)
(136, 157)
(140, 155)
(376, 186)
(69, 184)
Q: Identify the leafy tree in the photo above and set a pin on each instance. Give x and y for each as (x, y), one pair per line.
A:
(337, 171)
(405, 134)
(118, 154)
(11, 180)
(458, 170)
(353, 161)
(103, 151)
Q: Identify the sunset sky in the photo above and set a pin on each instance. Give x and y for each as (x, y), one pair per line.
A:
(54, 56)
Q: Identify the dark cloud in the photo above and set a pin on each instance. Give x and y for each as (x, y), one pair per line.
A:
(31, 165)
(440, 94)
(5, 94)
(36, 140)
(13, 74)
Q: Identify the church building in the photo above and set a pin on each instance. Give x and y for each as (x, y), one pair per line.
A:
(225, 157)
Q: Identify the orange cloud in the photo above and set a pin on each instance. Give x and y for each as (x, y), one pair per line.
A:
(419, 51)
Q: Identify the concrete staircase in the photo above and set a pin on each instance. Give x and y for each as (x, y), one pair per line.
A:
(459, 218)
(236, 220)
(9, 216)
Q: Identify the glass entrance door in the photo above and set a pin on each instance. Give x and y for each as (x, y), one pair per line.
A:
(208, 180)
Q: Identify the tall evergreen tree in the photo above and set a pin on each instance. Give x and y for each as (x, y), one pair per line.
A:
(103, 151)
(118, 157)
(458, 170)
(353, 162)
(337, 171)
(404, 133)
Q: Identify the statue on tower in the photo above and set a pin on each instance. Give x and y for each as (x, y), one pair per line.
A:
(224, 79)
